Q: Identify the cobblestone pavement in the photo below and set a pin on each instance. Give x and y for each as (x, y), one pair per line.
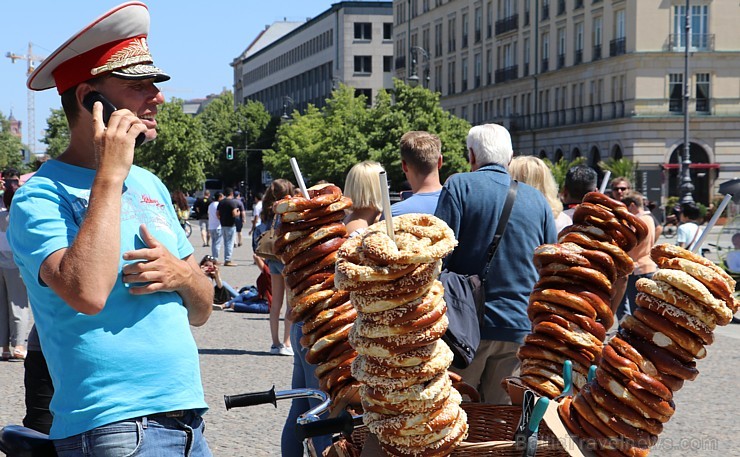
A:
(235, 358)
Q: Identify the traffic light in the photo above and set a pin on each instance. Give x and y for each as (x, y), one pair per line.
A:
(229, 152)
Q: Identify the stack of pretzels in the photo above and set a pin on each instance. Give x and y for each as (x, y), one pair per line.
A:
(406, 394)
(623, 409)
(570, 304)
(308, 236)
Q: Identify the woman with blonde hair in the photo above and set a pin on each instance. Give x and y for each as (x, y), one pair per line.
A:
(533, 171)
(363, 187)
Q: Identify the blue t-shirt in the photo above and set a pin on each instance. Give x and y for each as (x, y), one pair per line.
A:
(418, 203)
(135, 357)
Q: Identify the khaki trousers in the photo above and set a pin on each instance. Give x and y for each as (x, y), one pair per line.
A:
(493, 361)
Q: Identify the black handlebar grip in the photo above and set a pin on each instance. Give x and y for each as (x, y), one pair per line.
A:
(251, 399)
(342, 423)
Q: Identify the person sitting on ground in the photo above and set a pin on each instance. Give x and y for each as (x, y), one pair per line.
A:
(421, 159)
(222, 291)
(535, 172)
(689, 230)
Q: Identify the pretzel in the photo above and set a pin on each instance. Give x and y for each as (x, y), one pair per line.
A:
(319, 196)
(318, 212)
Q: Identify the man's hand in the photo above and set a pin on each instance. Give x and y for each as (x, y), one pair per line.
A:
(114, 143)
(156, 266)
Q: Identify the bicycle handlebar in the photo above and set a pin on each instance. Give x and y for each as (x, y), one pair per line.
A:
(344, 423)
(251, 399)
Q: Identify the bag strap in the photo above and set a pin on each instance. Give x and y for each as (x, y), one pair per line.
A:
(502, 224)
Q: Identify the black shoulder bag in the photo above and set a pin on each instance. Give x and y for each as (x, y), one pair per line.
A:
(465, 296)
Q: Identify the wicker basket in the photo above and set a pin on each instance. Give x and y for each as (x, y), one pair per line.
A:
(490, 433)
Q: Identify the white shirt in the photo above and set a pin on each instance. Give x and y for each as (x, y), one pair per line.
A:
(213, 221)
(687, 234)
(256, 211)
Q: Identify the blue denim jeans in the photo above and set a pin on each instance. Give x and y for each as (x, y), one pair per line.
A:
(216, 238)
(154, 436)
(229, 233)
(303, 376)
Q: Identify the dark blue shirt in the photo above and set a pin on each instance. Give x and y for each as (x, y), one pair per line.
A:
(471, 205)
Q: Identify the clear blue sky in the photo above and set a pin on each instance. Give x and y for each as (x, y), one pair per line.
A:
(193, 41)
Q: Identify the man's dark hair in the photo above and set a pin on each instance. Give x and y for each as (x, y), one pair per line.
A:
(691, 211)
(228, 191)
(11, 173)
(579, 181)
(69, 100)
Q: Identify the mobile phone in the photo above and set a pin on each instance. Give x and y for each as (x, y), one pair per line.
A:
(108, 109)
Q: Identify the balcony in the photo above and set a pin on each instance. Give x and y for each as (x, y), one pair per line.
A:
(596, 54)
(507, 24)
(699, 42)
(400, 62)
(544, 66)
(617, 47)
(507, 74)
(561, 7)
(578, 58)
(561, 61)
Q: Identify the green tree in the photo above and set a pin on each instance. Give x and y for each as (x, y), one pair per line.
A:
(415, 108)
(301, 138)
(56, 136)
(10, 146)
(620, 168)
(560, 169)
(179, 154)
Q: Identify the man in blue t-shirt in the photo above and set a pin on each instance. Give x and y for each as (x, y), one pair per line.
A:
(110, 274)
(421, 159)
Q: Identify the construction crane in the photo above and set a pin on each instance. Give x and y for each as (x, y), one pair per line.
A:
(32, 61)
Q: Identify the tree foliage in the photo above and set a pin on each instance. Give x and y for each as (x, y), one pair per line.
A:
(180, 153)
(10, 146)
(327, 142)
(56, 136)
(620, 168)
(561, 167)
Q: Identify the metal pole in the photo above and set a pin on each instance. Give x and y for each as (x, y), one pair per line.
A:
(686, 188)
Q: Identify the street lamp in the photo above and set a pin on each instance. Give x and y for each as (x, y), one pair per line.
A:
(413, 79)
(287, 104)
(686, 188)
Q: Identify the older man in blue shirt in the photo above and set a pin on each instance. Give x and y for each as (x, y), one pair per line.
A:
(471, 205)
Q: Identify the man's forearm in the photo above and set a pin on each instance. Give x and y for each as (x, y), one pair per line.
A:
(197, 295)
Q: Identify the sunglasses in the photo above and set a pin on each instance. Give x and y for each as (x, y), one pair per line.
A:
(621, 189)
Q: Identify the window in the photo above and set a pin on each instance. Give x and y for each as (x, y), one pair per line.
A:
(438, 78)
(561, 47)
(387, 31)
(619, 25)
(489, 67)
(414, 9)
(387, 64)
(545, 52)
(478, 23)
(363, 64)
(618, 45)
(526, 57)
(451, 35)
(702, 93)
(578, 45)
(477, 69)
(424, 6)
(368, 93)
(451, 78)
(489, 20)
(438, 40)
(464, 73)
(425, 39)
(597, 33)
(363, 31)
(545, 10)
(699, 27)
(675, 93)
(464, 31)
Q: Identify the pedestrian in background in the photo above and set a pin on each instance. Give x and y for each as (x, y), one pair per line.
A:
(619, 187)
(201, 213)
(256, 211)
(14, 311)
(278, 189)
(421, 159)
(240, 220)
(227, 212)
(579, 180)
(214, 226)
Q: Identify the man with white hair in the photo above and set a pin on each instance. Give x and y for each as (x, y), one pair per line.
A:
(471, 205)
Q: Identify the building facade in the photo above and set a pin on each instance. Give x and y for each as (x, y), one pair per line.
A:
(588, 78)
(350, 43)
